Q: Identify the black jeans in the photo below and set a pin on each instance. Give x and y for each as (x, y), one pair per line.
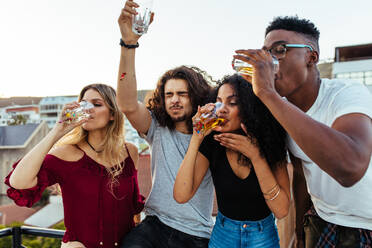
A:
(152, 233)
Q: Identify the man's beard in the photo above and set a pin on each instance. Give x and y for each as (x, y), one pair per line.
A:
(180, 118)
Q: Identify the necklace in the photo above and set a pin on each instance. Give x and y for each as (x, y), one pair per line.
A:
(86, 139)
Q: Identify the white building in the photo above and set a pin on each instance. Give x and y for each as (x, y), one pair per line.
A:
(4, 117)
(27, 106)
(354, 62)
(51, 107)
(29, 112)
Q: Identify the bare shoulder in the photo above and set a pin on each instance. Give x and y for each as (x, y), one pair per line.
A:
(67, 152)
(133, 152)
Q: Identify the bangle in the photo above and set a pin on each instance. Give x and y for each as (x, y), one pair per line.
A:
(271, 190)
(274, 197)
(122, 43)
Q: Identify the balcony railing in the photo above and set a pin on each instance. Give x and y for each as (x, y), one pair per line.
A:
(17, 232)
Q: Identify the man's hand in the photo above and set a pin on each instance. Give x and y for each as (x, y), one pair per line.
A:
(125, 23)
(263, 79)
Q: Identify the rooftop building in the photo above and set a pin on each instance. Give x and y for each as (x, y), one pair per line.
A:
(350, 62)
(29, 113)
(51, 107)
(15, 142)
(19, 100)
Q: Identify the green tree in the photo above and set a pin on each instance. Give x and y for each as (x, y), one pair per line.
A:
(44, 199)
(52, 242)
(18, 120)
(5, 241)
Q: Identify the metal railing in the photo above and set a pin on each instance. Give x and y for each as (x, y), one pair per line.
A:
(16, 233)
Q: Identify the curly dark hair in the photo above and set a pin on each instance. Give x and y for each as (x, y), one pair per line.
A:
(199, 87)
(262, 128)
(295, 24)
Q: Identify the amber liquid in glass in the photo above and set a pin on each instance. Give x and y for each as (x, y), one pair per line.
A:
(245, 70)
(206, 124)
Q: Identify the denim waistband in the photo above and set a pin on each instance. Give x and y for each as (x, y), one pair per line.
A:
(247, 225)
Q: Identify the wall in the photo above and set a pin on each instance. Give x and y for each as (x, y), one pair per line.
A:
(9, 156)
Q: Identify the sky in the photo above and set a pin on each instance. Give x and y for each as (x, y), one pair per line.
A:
(56, 47)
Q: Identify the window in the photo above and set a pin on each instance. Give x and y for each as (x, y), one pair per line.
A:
(356, 75)
(368, 77)
(343, 75)
(364, 77)
(52, 114)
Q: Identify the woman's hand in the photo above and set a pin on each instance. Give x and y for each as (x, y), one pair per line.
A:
(197, 125)
(125, 22)
(64, 126)
(25, 174)
(239, 143)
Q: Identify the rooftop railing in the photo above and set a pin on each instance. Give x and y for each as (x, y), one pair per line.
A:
(17, 232)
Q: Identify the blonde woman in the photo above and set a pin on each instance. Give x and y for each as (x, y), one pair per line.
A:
(95, 169)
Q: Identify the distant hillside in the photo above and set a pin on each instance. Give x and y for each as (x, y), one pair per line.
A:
(19, 100)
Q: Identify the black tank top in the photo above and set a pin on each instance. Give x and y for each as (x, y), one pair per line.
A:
(238, 199)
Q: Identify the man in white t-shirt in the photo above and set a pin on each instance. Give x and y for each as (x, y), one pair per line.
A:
(330, 129)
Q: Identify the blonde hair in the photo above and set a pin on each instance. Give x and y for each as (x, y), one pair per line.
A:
(113, 142)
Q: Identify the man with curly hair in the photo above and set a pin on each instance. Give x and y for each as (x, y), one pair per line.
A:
(166, 123)
(330, 128)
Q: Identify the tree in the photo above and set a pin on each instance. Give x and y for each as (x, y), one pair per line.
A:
(5, 241)
(18, 120)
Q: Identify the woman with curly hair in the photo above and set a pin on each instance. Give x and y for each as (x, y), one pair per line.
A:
(94, 167)
(247, 158)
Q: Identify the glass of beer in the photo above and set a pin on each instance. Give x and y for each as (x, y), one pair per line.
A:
(209, 120)
(245, 68)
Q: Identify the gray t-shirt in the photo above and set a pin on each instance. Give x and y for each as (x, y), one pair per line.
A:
(168, 147)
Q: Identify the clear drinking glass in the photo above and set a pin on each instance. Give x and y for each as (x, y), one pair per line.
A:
(245, 68)
(78, 113)
(208, 120)
(141, 21)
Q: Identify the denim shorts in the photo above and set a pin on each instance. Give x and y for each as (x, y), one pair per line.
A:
(237, 234)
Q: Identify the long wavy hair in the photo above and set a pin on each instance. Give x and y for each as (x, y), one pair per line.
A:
(113, 142)
(199, 87)
(262, 128)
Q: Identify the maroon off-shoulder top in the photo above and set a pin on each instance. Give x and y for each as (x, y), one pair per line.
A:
(96, 213)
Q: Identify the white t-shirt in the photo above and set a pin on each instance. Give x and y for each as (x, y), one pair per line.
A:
(334, 203)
